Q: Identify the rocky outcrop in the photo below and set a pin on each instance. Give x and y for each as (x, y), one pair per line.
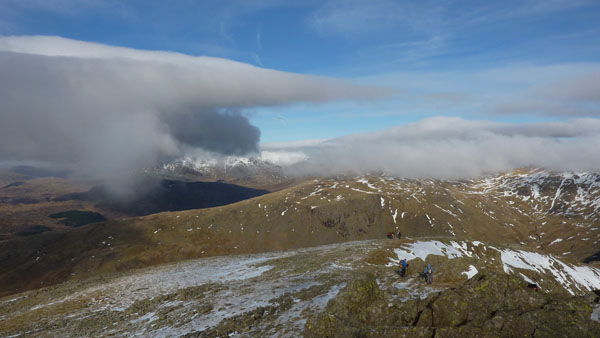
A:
(488, 305)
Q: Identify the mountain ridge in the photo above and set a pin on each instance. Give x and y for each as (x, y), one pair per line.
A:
(315, 212)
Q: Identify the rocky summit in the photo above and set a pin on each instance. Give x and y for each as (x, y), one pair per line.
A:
(349, 289)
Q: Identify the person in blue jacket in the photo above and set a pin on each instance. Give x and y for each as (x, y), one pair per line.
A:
(429, 274)
(403, 267)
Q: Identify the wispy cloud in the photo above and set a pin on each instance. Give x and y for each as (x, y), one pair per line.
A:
(416, 34)
(518, 89)
(257, 59)
(355, 17)
(431, 16)
(258, 37)
(413, 52)
(224, 34)
(69, 7)
(531, 7)
(577, 95)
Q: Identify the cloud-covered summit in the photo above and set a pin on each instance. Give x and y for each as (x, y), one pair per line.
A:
(443, 147)
(112, 109)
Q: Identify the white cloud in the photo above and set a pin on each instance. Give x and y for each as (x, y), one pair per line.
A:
(292, 144)
(283, 158)
(113, 109)
(456, 148)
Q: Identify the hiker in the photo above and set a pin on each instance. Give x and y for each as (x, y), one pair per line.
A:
(390, 235)
(429, 274)
(403, 267)
(399, 235)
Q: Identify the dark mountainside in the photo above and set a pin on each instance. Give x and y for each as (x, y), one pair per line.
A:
(36, 172)
(27, 202)
(167, 195)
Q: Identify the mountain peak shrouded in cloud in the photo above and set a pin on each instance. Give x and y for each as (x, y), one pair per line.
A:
(452, 148)
(111, 110)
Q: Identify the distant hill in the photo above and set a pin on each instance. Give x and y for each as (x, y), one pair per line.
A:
(249, 172)
(32, 171)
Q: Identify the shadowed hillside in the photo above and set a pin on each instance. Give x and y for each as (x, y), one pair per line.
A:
(27, 202)
(168, 195)
(35, 172)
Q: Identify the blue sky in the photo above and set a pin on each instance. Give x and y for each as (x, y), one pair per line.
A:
(507, 61)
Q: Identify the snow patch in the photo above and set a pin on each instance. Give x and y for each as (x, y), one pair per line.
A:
(471, 272)
(556, 241)
(596, 314)
(446, 211)
(582, 278)
(363, 191)
(422, 249)
(527, 279)
(371, 186)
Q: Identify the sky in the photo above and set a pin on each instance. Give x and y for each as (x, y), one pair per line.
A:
(145, 81)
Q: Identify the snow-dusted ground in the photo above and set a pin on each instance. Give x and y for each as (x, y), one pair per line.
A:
(124, 291)
(284, 287)
(414, 289)
(235, 285)
(574, 279)
(585, 202)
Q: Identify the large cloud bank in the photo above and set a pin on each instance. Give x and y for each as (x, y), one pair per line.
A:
(109, 109)
(444, 147)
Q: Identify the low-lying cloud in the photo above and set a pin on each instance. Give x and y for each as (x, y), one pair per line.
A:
(442, 147)
(110, 110)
